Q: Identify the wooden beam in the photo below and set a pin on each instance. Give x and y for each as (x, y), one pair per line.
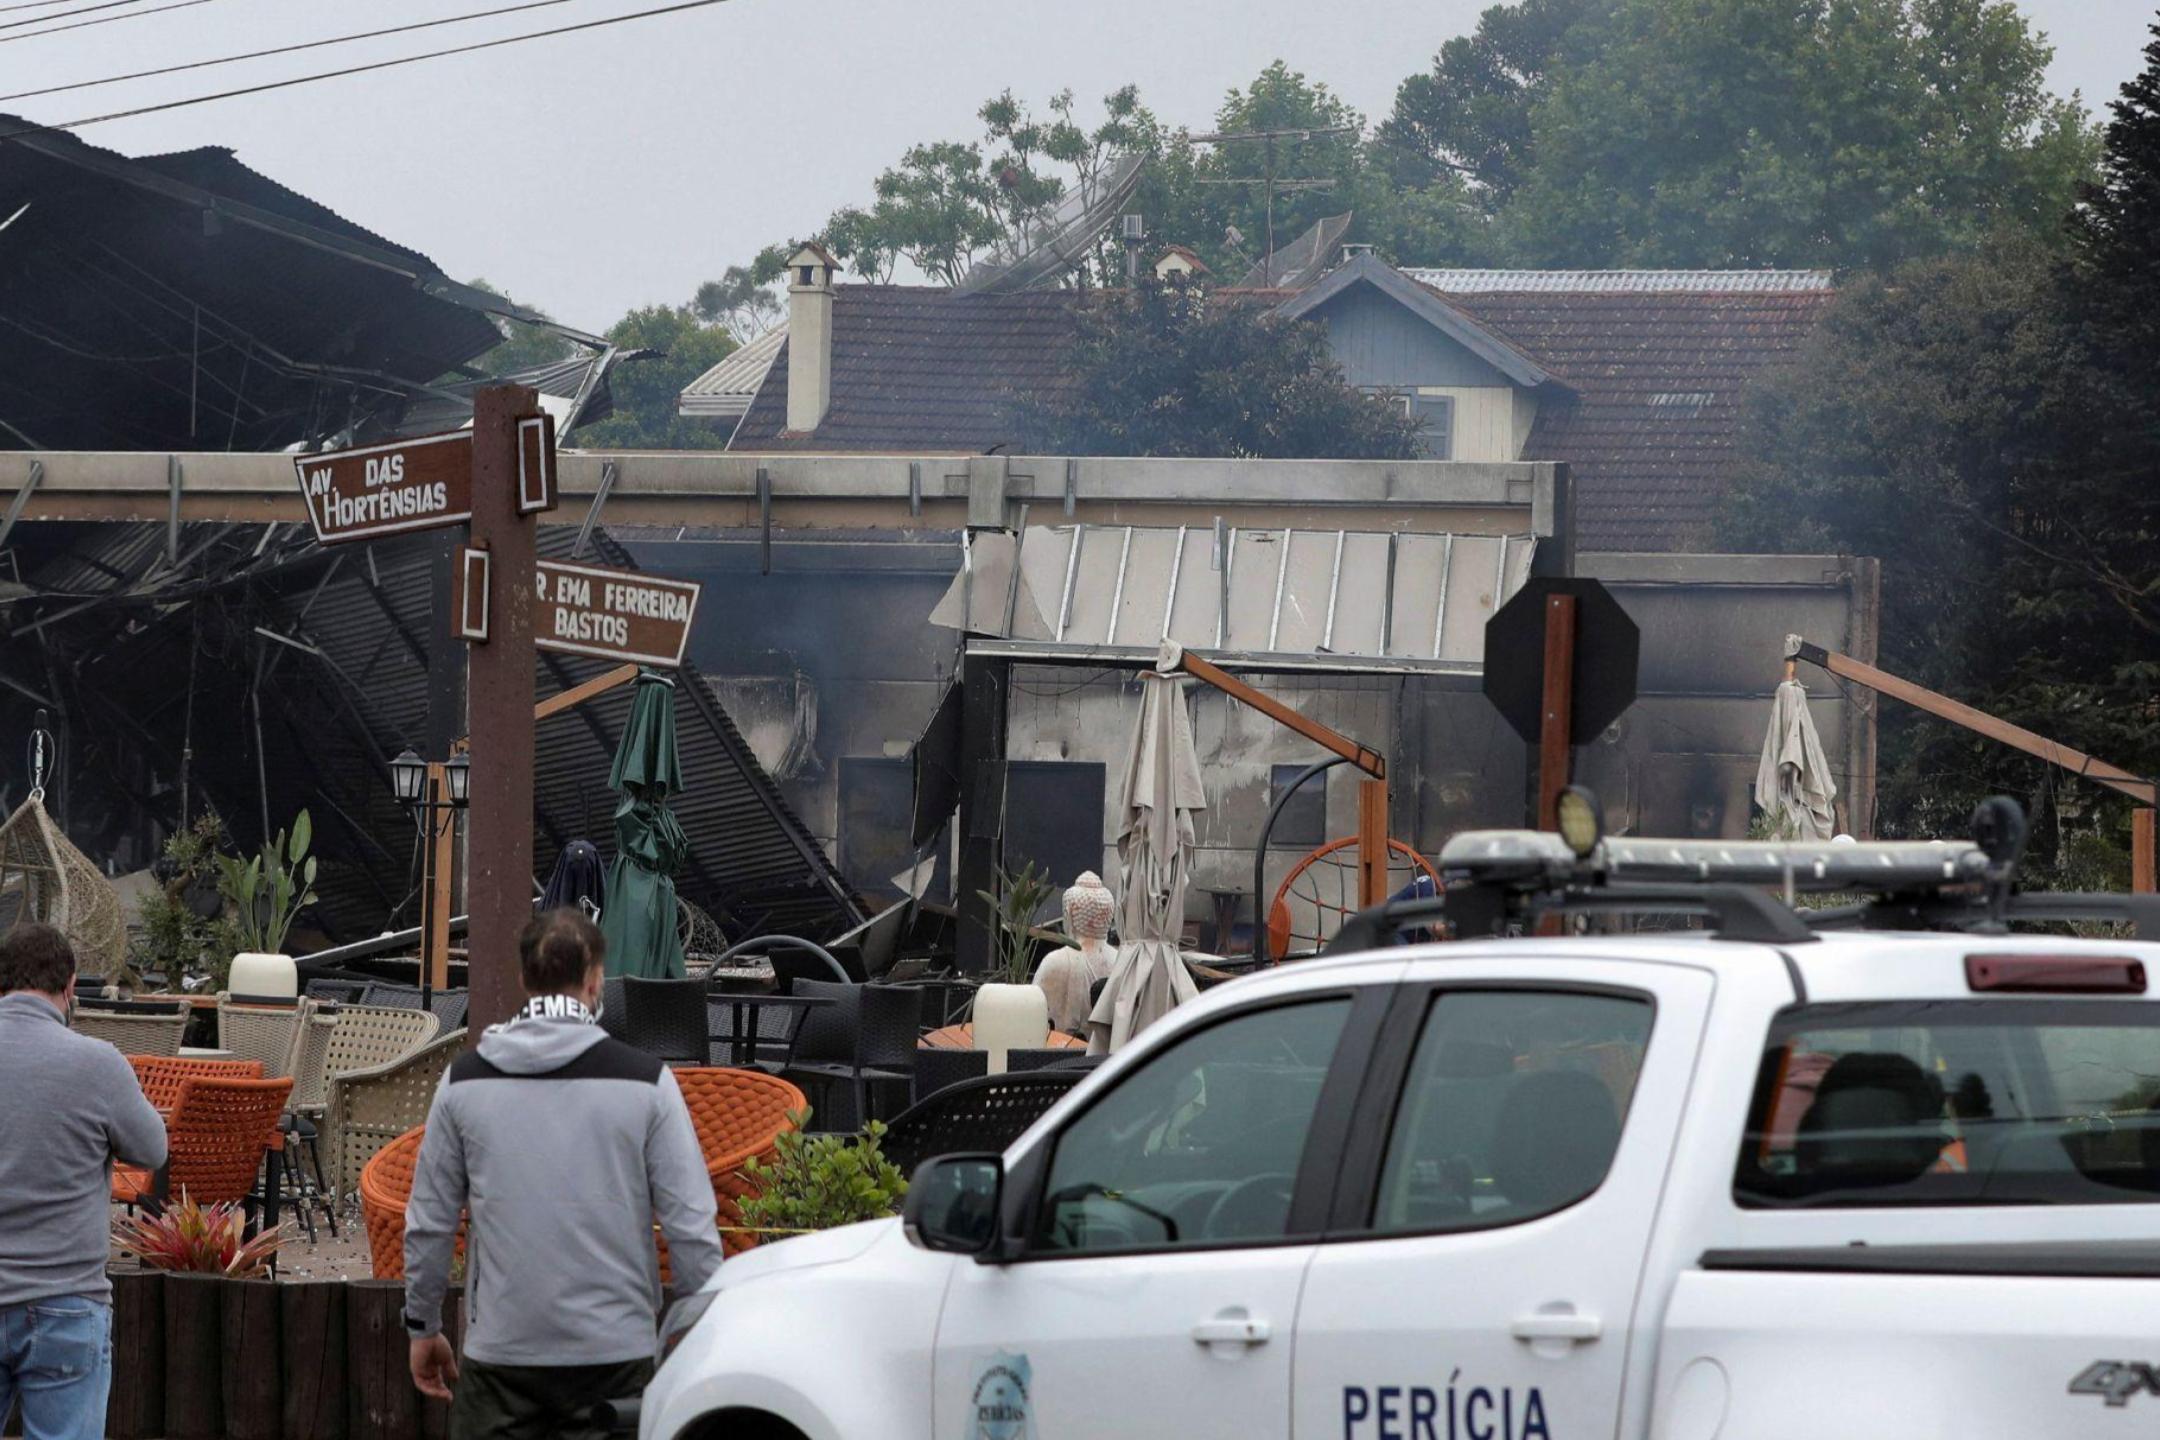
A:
(437, 864)
(2144, 852)
(1372, 762)
(1556, 711)
(579, 694)
(1981, 723)
(1372, 829)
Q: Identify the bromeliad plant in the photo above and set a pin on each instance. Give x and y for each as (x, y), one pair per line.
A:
(198, 1240)
(269, 891)
(817, 1182)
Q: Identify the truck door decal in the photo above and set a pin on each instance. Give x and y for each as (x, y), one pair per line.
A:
(2118, 1380)
(998, 1408)
(1459, 1412)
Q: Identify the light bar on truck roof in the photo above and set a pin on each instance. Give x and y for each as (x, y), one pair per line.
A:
(1501, 856)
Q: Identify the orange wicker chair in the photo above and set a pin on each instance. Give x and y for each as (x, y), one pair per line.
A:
(386, 1184)
(215, 1136)
(739, 1114)
(161, 1076)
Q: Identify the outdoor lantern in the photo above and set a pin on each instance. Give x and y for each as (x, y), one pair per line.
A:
(408, 778)
(457, 773)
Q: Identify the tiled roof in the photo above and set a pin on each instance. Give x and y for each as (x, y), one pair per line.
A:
(921, 369)
(1594, 282)
(1659, 376)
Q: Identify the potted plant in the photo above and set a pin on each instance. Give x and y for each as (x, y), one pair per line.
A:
(267, 894)
(819, 1182)
(220, 1350)
(182, 925)
(1010, 1012)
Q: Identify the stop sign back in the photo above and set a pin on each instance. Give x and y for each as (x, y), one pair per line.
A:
(1608, 648)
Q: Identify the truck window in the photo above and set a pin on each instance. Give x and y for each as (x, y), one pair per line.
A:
(1956, 1102)
(1200, 1145)
(1512, 1108)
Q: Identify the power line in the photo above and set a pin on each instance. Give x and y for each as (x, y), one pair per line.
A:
(678, 8)
(31, 5)
(68, 14)
(101, 20)
(287, 49)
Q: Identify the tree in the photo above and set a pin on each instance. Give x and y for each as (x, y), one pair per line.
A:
(742, 301)
(645, 391)
(1167, 370)
(524, 347)
(1947, 419)
(1814, 132)
(1469, 115)
(950, 204)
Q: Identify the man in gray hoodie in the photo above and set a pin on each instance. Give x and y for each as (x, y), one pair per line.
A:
(68, 1105)
(565, 1145)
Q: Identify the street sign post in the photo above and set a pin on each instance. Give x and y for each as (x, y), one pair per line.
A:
(389, 489)
(1560, 665)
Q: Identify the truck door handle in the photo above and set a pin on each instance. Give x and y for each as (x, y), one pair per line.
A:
(1232, 1327)
(1564, 1326)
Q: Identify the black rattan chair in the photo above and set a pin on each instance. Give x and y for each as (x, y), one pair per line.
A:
(1018, 1060)
(937, 1069)
(975, 1115)
(867, 1034)
(667, 1019)
(614, 1010)
(344, 992)
(449, 1007)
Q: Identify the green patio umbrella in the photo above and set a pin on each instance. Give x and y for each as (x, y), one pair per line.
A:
(638, 916)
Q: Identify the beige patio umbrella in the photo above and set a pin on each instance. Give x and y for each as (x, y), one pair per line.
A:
(1157, 794)
(1793, 784)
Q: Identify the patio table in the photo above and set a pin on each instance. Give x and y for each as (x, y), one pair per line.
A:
(743, 1039)
(962, 1037)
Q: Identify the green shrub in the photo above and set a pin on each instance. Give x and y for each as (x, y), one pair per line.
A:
(817, 1182)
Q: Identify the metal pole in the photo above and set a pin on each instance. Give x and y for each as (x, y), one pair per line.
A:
(1558, 709)
(1259, 859)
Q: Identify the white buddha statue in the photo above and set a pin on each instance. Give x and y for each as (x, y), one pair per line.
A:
(1065, 976)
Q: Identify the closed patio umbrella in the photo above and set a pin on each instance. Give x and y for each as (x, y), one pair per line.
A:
(1158, 791)
(638, 916)
(1793, 784)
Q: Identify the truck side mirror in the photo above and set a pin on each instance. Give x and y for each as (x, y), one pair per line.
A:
(953, 1203)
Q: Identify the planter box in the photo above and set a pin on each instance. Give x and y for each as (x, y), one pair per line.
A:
(200, 1357)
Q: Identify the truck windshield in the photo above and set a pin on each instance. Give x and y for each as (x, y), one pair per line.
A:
(1956, 1102)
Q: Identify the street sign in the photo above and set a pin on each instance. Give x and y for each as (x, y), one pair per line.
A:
(1607, 650)
(613, 614)
(389, 489)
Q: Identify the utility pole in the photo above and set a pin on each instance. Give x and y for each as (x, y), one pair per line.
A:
(1266, 178)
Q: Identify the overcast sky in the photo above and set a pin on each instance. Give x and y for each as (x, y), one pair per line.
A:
(620, 167)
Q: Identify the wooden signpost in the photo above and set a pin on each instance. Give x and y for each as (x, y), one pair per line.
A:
(507, 603)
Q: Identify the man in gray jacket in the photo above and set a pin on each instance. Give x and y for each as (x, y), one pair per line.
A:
(68, 1105)
(565, 1145)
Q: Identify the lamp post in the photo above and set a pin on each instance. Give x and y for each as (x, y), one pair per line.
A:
(434, 790)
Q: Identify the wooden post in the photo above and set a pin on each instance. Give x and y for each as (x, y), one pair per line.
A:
(252, 1353)
(381, 1403)
(311, 1343)
(499, 695)
(2144, 852)
(1558, 708)
(1372, 831)
(194, 1358)
(136, 1410)
(438, 866)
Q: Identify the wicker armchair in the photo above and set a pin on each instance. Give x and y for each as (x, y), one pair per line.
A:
(370, 1108)
(738, 1115)
(161, 1076)
(216, 1137)
(386, 1183)
(372, 1035)
(133, 1034)
(269, 1033)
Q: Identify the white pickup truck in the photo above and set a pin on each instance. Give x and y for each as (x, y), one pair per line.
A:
(1756, 1181)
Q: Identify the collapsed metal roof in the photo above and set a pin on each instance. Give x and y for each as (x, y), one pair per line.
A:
(256, 663)
(185, 301)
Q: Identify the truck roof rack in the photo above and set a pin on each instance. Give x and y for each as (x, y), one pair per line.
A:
(1496, 882)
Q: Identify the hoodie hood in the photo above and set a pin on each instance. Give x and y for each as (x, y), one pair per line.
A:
(534, 1045)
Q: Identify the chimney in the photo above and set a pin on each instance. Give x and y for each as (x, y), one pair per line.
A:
(810, 302)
